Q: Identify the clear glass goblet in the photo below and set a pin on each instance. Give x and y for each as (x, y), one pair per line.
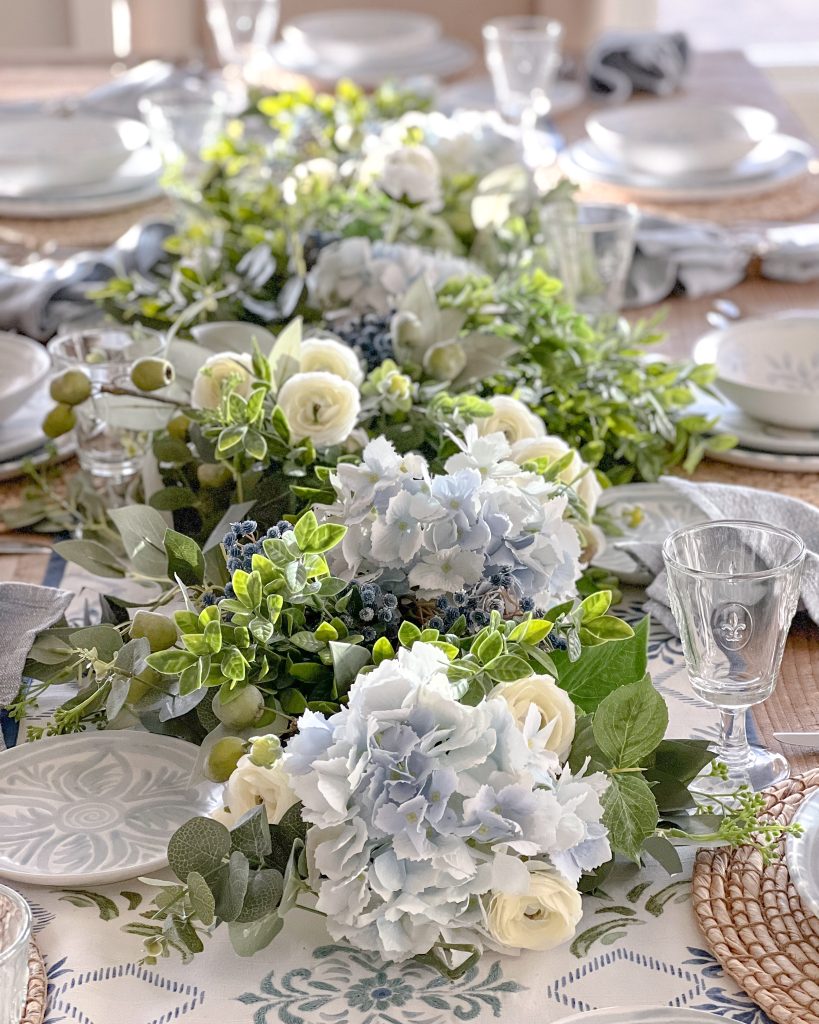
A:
(733, 587)
(242, 30)
(523, 55)
(15, 937)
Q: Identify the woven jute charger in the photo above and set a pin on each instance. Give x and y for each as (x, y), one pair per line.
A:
(753, 920)
(34, 1010)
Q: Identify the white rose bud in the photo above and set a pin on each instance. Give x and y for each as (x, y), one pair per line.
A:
(320, 406)
(577, 473)
(511, 418)
(412, 173)
(542, 918)
(555, 707)
(331, 356)
(251, 785)
(214, 375)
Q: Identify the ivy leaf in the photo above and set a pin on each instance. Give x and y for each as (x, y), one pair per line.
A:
(201, 844)
(629, 723)
(629, 813)
(202, 901)
(185, 558)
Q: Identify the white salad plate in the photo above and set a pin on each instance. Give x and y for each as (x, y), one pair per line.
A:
(26, 365)
(96, 807)
(778, 160)
(802, 853)
(753, 433)
(642, 1014)
(646, 513)
(354, 37)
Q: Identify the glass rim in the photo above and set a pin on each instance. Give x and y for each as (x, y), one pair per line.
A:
(559, 214)
(55, 347)
(712, 574)
(522, 26)
(25, 931)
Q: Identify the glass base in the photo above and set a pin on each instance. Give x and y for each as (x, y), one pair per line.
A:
(760, 769)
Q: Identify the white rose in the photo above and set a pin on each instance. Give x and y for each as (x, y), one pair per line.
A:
(250, 785)
(511, 418)
(320, 406)
(545, 916)
(332, 356)
(214, 375)
(555, 707)
(577, 473)
(412, 173)
(592, 541)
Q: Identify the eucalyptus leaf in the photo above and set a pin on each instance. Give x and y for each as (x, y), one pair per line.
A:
(248, 939)
(142, 529)
(202, 901)
(201, 844)
(90, 555)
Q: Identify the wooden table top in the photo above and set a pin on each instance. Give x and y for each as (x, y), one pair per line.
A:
(723, 76)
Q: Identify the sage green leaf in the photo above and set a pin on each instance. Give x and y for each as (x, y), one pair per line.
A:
(230, 440)
(296, 576)
(255, 445)
(252, 834)
(90, 555)
(248, 939)
(171, 499)
(664, 853)
(187, 622)
(202, 901)
(348, 660)
(326, 538)
(264, 893)
(630, 722)
(187, 935)
(185, 558)
(49, 649)
(107, 640)
(285, 356)
(229, 885)
(201, 844)
(169, 449)
(284, 835)
(601, 670)
(142, 530)
(629, 813)
(106, 907)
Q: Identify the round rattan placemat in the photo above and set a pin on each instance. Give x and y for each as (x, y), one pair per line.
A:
(35, 1009)
(753, 921)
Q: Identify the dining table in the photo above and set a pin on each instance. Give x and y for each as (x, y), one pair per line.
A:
(640, 933)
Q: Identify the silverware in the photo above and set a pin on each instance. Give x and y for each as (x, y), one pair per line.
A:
(724, 313)
(19, 547)
(799, 739)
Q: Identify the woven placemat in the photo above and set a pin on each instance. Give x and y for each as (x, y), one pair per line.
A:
(35, 1009)
(753, 920)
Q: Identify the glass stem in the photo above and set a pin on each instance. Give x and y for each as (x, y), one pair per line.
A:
(733, 739)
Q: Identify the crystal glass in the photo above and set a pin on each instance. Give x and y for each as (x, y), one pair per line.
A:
(733, 587)
(242, 30)
(110, 445)
(523, 55)
(589, 246)
(15, 937)
(183, 122)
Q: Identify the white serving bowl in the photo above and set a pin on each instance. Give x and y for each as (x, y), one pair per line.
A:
(769, 367)
(25, 366)
(43, 151)
(347, 38)
(678, 137)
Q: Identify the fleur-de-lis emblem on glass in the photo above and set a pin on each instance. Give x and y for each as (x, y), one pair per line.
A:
(733, 626)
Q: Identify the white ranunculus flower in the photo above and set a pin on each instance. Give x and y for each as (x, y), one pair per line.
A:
(542, 918)
(321, 406)
(511, 418)
(412, 173)
(554, 705)
(577, 473)
(251, 785)
(332, 356)
(214, 375)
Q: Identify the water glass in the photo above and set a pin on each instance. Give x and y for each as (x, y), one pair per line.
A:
(183, 122)
(733, 587)
(110, 445)
(243, 30)
(589, 246)
(15, 938)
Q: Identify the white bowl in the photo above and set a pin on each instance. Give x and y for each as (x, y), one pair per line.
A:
(769, 367)
(25, 366)
(347, 38)
(44, 150)
(679, 137)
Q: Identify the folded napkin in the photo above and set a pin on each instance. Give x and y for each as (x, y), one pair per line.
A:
(25, 611)
(621, 63)
(792, 253)
(36, 299)
(723, 501)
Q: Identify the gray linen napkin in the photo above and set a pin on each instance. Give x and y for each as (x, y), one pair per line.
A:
(723, 501)
(792, 253)
(624, 62)
(25, 611)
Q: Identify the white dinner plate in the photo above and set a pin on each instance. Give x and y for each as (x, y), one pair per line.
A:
(752, 433)
(802, 853)
(96, 807)
(139, 169)
(644, 512)
(478, 94)
(781, 160)
(642, 1015)
(65, 447)
(777, 462)
(22, 433)
(25, 364)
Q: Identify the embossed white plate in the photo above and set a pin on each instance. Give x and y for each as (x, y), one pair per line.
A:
(95, 807)
(644, 512)
(763, 437)
(802, 853)
(642, 1015)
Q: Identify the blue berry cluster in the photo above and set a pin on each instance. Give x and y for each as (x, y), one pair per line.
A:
(241, 544)
(477, 604)
(375, 613)
(370, 338)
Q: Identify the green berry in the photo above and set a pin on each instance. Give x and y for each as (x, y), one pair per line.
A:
(241, 712)
(223, 757)
(178, 427)
(71, 387)
(59, 420)
(147, 683)
(152, 373)
(213, 474)
(265, 750)
(159, 631)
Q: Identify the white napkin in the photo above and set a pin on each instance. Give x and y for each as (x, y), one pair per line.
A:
(723, 501)
(621, 63)
(792, 253)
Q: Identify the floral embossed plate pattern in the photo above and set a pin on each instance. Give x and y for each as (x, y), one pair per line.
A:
(95, 807)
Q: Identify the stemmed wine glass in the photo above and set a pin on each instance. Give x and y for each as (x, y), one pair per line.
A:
(733, 587)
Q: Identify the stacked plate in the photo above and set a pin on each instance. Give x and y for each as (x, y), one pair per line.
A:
(681, 150)
(74, 164)
(369, 46)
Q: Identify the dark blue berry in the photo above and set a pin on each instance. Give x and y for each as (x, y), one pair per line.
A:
(527, 604)
(369, 634)
(390, 601)
(436, 622)
(367, 613)
(385, 615)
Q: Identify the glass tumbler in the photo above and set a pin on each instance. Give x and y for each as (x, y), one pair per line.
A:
(733, 587)
(242, 29)
(15, 937)
(589, 246)
(110, 445)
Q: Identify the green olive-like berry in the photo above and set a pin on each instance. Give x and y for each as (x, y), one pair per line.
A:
(71, 387)
(178, 427)
(223, 757)
(59, 420)
(147, 683)
(152, 373)
(241, 712)
(213, 474)
(265, 750)
(159, 631)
